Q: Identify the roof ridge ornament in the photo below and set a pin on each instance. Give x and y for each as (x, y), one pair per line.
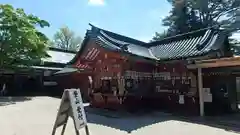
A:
(93, 31)
(206, 38)
(93, 26)
(125, 47)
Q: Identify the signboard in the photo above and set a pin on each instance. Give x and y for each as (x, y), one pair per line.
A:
(181, 99)
(79, 115)
(207, 96)
(71, 105)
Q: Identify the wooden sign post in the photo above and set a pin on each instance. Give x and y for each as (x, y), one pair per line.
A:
(71, 105)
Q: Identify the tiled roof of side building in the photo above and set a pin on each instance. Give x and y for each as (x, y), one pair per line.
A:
(187, 45)
(56, 55)
(191, 44)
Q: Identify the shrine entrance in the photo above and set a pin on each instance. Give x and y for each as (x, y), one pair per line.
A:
(219, 80)
(221, 86)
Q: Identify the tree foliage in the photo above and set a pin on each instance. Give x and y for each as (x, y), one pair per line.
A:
(20, 41)
(66, 39)
(190, 15)
(159, 36)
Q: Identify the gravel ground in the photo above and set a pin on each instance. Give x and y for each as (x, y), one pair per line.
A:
(36, 116)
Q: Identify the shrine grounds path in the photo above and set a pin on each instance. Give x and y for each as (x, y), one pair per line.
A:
(36, 116)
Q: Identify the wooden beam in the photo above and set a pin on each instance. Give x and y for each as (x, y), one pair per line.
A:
(223, 62)
(200, 90)
(212, 65)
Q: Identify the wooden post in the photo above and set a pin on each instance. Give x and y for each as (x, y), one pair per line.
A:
(64, 127)
(120, 84)
(200, 90)
(87, 130)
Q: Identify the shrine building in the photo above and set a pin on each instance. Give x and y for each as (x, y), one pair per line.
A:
(194, 73)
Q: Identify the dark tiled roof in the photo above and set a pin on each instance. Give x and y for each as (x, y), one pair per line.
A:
(189, 45)
(192, 44)
(118, 37)
(126, 45)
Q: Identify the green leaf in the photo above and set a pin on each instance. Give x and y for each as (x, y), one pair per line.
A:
(20, 41)
(191, 15)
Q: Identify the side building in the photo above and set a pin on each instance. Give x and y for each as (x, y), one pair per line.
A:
(39, 79)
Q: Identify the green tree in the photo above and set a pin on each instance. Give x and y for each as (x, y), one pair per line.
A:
(20, 41)
(66, 39)
(51, 43)
(190, 15)
(159, 36)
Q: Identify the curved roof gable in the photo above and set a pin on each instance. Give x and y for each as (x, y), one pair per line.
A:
(128, 46)
(117, 37)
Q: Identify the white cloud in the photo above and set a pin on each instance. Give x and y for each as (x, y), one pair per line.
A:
(96, 2)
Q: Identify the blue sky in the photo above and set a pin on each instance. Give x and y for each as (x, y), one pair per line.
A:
(135, 18)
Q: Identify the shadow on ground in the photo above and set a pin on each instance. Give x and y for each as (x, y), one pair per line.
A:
(130, 122)
(12, 100)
